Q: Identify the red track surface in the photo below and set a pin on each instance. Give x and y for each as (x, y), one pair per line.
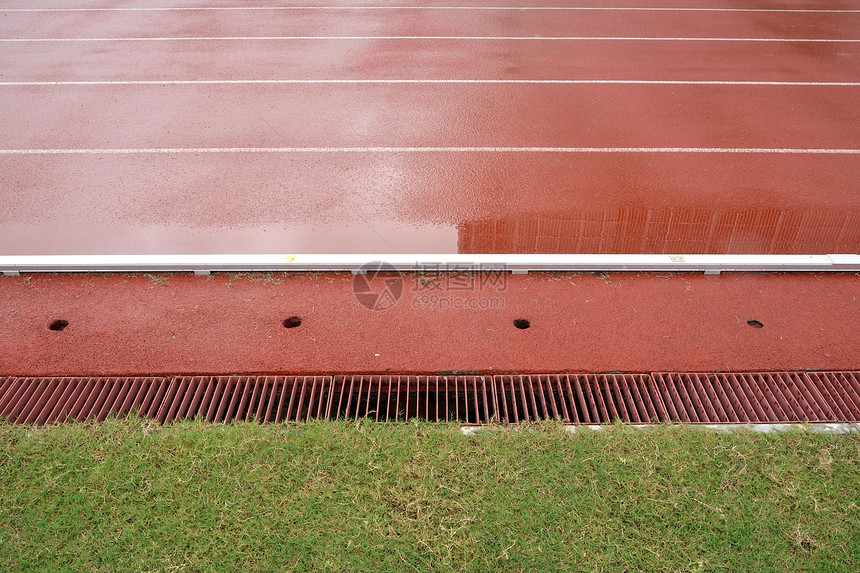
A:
(433, 23)
(431, 59)
(339, 199)
(127, 325)
(443, 201)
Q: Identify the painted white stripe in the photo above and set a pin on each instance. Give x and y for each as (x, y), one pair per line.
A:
(497, 38)
(507, 8)
(156, 150)
(426, 81)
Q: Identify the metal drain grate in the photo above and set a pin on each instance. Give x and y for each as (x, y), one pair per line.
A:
(578, 399)
(48, 400)
(742, 398)
(840, 391)
(216, 399)
(573, 399)
(242, 398)
(464, 399)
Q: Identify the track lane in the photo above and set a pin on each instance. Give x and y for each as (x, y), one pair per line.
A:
(391, 192)
(330, 203)
(430, 23)
(424, 59)
(608, 5)
(264, 116)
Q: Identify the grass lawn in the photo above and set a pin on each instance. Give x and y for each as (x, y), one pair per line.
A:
(131, 496)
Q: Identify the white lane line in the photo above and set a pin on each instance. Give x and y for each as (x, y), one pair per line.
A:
(501, 38)
(505, 8)
(423, 81)
(158, 150)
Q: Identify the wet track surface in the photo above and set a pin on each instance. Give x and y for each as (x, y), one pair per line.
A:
(414, 130)
(139, 324)
(706, 126)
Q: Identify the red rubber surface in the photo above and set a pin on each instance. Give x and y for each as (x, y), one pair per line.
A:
(140, 325)
(468, 202)
(431, 59)
(433, 23)
(430, 202)
(436, 116)
(123, 212)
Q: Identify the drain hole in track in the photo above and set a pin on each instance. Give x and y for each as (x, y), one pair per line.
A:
(755, 324)
(292, 322)
(59, 325)
(522, 323)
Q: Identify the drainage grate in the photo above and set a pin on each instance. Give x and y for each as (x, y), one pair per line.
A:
(573, 399)
(242, 398)
(578, 399)
(48, 400)
(840, 391)
(742, 398)
(464, 399)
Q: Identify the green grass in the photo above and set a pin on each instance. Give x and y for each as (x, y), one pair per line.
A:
(128, 496)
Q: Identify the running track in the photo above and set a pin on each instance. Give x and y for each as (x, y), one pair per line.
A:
(187, 128)
(607, 127)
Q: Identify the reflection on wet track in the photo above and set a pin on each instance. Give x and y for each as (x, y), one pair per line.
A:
(767, 231)
(320, 166)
